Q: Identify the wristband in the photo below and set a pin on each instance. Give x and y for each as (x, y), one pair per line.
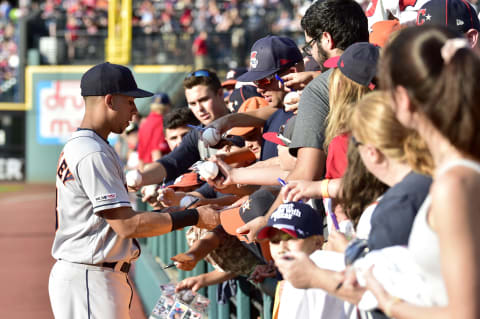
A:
(184, 218)
(389, 304)
(324, 188)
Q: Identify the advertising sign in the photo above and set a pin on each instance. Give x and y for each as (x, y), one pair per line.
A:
(60, 110)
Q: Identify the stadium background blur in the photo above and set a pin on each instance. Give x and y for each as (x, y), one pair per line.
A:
(53, 36)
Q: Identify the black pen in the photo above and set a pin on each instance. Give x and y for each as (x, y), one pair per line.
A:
(170, 265)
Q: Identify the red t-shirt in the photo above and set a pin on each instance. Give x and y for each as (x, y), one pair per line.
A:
(337, 157)
(151, 137)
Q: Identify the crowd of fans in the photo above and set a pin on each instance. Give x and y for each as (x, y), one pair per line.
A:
(348, 185)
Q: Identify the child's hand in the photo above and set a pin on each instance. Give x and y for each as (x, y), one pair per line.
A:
(184, 261)
(337, 241)
(193, 283)
(301, 190)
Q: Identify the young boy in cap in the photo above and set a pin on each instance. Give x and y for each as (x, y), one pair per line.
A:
(297, 227)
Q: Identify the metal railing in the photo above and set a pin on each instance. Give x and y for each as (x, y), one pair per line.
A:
(249, 302)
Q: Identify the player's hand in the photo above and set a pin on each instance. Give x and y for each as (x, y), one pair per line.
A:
(298, 80)
(184, 261)
(193, 283)
(301, 190)
(208, 217)
(251, 229)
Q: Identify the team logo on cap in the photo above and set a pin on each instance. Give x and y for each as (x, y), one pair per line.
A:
(246, 204)
(286, 211)
(230, 74)
(253, 59)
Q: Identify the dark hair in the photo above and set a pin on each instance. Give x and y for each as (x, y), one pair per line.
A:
(343, 19)
(359, 188)
(445, 91)
(202, 77)
(179, 117)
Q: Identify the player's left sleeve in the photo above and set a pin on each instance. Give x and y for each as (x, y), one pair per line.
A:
(102, 182)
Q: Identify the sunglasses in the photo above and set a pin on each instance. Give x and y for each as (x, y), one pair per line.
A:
(199, 73)
(355, 142)
(307, 48)
(280, 236)
(268, 79)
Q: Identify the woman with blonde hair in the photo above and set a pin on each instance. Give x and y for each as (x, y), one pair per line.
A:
(384, 146)
(436, 92)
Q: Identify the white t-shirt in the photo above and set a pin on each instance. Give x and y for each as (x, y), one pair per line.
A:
(314, 303)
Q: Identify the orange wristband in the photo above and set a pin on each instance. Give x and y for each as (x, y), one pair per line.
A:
(324, 188)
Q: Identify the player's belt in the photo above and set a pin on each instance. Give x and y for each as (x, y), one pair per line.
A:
(124, 268)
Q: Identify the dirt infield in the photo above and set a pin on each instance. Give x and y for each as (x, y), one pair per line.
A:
(28, 222)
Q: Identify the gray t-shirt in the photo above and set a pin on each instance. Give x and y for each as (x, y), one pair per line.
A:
(89, 180)
(312, 112)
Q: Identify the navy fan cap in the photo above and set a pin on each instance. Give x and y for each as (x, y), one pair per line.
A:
(359, 63)
(270, 55)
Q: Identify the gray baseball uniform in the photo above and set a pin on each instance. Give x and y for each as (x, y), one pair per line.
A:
(86, 282)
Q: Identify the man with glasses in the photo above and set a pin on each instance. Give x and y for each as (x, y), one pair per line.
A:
(330, 27)
(204, 95)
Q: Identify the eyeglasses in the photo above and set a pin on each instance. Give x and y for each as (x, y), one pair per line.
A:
(355, 142)
(307, 48)
(268, 79)
(199, 73)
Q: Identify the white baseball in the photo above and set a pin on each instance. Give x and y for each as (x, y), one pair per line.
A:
(208, 170)
(150, 190)
(134, 178)
(211, 136)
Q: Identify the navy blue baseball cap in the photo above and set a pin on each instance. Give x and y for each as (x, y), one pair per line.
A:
(242, 94)
(457, 14)
(296, 219)
(359, 63)
(232, 75)
(270, 55)
(107, 78)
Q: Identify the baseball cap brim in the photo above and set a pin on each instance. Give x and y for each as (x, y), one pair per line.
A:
(231, 220)
(267, 232)
(241, 131)
(273, 137)
(229, 82)
(251, 76)
(137, 93)
(332, 62)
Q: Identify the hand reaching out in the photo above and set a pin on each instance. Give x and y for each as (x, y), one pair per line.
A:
(301, 190)
(193, 283)
(184, 261)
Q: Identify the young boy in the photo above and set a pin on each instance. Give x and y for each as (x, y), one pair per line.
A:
(296, 226)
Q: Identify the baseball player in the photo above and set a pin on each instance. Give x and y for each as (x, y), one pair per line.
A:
(95, 227)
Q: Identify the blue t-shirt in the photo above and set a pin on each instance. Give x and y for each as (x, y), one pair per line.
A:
(392, 219)
(273, 124)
